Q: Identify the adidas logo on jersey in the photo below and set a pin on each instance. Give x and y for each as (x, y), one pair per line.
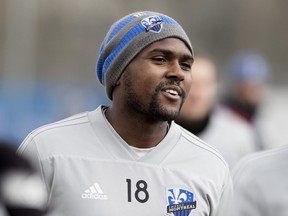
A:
(94, 192)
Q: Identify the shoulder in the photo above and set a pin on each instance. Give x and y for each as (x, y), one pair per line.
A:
(67, 124)
(261, 164)
(58, 134)
(75, 120)
(200, 147)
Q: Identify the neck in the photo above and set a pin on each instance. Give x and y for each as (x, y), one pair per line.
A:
(137, 132)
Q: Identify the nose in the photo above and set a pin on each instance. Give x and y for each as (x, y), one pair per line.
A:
(175, 71)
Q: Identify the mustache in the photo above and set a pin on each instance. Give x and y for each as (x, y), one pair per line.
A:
(169, 83)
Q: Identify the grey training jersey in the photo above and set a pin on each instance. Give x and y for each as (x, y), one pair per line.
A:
(261, 187)
(90, 170)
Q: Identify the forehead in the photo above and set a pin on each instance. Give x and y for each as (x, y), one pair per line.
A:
(172, 44)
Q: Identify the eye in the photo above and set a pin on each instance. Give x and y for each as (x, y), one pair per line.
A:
(159, 59)
(186, 66)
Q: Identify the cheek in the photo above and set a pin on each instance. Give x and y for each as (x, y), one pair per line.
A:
(143, 88)
(147, 87)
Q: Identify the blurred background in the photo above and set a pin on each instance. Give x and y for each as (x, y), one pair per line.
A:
(48, 51)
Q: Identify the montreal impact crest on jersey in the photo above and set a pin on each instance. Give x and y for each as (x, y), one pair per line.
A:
(180, 202)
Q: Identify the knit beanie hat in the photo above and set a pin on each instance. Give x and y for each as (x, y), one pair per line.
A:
(129, 36)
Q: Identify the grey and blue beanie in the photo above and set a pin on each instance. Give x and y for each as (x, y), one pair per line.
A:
(129, 36)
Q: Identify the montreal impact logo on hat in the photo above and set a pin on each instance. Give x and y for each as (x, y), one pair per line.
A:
(152, 23)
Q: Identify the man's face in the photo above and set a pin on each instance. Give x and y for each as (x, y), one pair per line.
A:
(157, 80)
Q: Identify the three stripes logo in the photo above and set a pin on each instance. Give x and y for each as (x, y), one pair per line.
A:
(94, 192)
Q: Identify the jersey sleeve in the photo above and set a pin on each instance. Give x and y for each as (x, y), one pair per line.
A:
(28, 150)
(247, 194)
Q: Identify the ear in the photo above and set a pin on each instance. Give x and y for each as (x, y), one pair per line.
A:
(120, 79)
(116, 87)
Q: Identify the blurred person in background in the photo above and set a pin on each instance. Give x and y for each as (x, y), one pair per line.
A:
(249, 75)
(248, 72)
(21, 189)
(260, 184)
(250, 95)
(203, 116)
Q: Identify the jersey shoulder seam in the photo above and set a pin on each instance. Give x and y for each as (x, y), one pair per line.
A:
(72, 120)
(201, 144)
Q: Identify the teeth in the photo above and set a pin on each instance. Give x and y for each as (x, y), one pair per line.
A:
(170, 91)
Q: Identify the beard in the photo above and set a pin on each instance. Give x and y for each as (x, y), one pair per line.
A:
(152, 110)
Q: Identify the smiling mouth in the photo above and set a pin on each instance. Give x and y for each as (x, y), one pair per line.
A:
(172, 92)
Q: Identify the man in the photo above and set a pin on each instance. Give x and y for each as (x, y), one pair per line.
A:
(249, 73)
(203, 116)
(131, 158)
(245, 93)
(261, 187)
(250, 95)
